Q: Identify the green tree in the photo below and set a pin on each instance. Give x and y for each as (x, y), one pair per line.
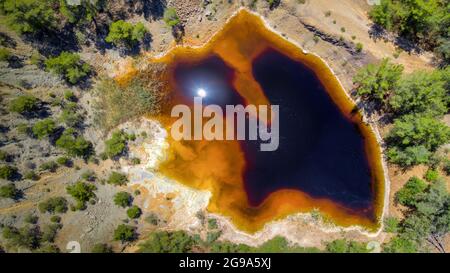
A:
(171, 17)
(167, 242)
(376, 82)
(400, 244)
(425, 22)
(124, 233)
(123, 199)
(407, 195)
(418, 130)
(69, 66)
(344, 246)
(44, 128)
(123, 33)
(391, 224)
(26, 16)
(421, 92)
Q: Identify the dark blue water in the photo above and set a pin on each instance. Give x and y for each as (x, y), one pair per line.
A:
(320, 153)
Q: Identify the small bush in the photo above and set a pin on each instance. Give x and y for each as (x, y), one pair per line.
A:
(5, 54)
(391, 224)
(407, 195)
(123, 199)
(69, 66)
(101, 248)
(171, 17)
(359, 47)
(88, 176)
(31, 175)
(50, 166)
(431, 175)
(152, 219)
(124, 233)
(44, 128)
(9, 191)
(7, 172)
(82, 192)
(135, 161)
(53, 205)
(55, 219)
(116, 145)
(64, 161)
(134, 212)
(117, 179)
(212, 223)
(30, 219)
(70, 96)
(122, 33)
(24, 104)
(74, 145)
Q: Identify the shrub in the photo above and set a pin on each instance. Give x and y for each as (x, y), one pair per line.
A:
(446, 166)
(212, 223)
(24, 104)
(74, 145)
(152, 219)
(63, 161)
(31, 175)
(124, 33)
(135, 161)
(115, 146)
(53, 205)
(69, 66)
(167, 242)
(359, 47)
(123, 199)
(400, 244)
(101, 248)
(378, 81)
(27, 16)
(421, 92)
(9, 191)
(81, 192)
(211, 237)
(70, 96)
(5, 54)
(30, 219)
(391, 224)
(27, 236)
(55, 219)
(88, 175)
(117, 179)
(134, 212)
(418, 130)
(7, 172)
(344, 246)
(49, 166)
(171, 17)
(431, 175)
(49, 232)
(44, 128)
(124, 233)
(407, 195)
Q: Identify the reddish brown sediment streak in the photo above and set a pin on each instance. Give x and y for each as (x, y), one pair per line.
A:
(218, 166)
